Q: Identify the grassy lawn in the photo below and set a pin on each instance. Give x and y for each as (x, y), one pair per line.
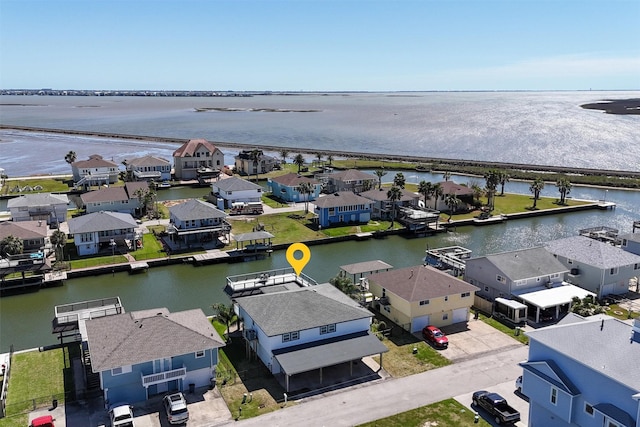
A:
(284, 228)
(49, 185)
(448, 413)
(96, 261)
(621, 312)
(506, 329)
(151, 248)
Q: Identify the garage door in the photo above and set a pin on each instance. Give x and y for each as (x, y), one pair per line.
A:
(460, 315)
(418, 323)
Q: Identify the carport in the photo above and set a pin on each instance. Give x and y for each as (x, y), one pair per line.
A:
(558, 298)
(321, 354)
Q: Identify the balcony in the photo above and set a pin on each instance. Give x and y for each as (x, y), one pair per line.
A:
(163, 377)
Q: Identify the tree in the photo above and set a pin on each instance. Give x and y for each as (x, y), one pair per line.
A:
(503, 178)
(70, 157)
(256, 157)
(394, 194)
(345, 285)
(477, 192)
(452, 203)
(564, 187)
(319, 156)
(330, 159)
(58, 240)
(305, 188)
(380, 173)
(492, 179)
(399, 180)
(446, 175)
(536, 187)
(284, 154)
(224, 313)
(586, 307)
(436, 192)
(145, 199)
(425, 188)
(298, 160)
(11, 245)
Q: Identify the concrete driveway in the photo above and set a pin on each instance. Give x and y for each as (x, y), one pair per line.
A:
(507, 390)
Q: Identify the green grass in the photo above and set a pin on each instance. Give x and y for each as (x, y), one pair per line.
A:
(284, 229)
(619, 311)
(98, 261)
(506, 329)
(151, 248)
(447, 413)
(49, 185)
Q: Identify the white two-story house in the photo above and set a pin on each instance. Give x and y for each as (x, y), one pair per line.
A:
(94, 171)
(195, 221)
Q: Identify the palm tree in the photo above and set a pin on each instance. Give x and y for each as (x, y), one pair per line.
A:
(477, 192)
(298, 160)
(492, 181)
(446, 175)
(11, 245)
(306, 188)
(503, 178)
(425, 188)
(399, 180)
(319, 156)
(436, 191)
(58, 240)
(330, 159)
(394, 194)
(536, 187)
(224, 313)
(345, 285)
(70, 157)
(284, 154)
(256, 156)
(452, 203)
(380, 173)
(564, 187)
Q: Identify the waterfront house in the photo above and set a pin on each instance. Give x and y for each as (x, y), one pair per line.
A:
(449, 188)
(102, 231)
(94, 171)
(349, 180)
(48, 207)
(382, 206)
(341, 208)
(295, 330)
(149, 168)
(630, 242)
(287, 187)
(234, 190)
(194, 155)
(415, 297)
(115, 199)
(33, 234)
(152, 352)
(195, 222)
(596, 266)
(245, 164)
(583, 372)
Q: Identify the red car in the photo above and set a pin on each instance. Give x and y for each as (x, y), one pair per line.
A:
(44, 421)
(436, 336)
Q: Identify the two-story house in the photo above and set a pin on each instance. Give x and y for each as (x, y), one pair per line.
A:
(630, 242)
(352, 180)
(151, 352)
(583, 372)
(342, 207)
(102, 231)
(196, 221)
(33, 234)
(115, 199)
(245, 164)
(383, 208)
(149, 168)
(596, 266)
(196, 154)
(234, 190)
(306, 329)
(415, 297)
(449, 188)
(287, 187)
(94, 171)
(48, 207)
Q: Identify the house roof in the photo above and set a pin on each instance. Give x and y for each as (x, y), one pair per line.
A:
(611, 352)
(189, 148)
(23, 230)
(381, 195)
(293, 180)
(137, 337)
(526, 263)
(100, 221)
(235, 184)
(592, 252)
(194, 209)
(366, 267)
(420, 283)
(450, 187)
(37, 199)
(111, 194)
(148, 161)
(341, 198)
(552, 297)
(94, 161)
(352, 175)
(305, 308)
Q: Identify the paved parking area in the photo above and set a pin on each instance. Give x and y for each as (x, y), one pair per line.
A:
(514, 399)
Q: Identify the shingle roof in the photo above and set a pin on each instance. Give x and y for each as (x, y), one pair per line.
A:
(341, 198)
(38, 199)
(23, 230)
(420, 283)
(111, 194)
(236, 184)
(281, 312)
(352, 175)
(293, 180)
(95, 161)
(101, 221)
(194, 209)
(592, 252)
(137, 337)
(450, 187)
(610, 350)
(189, 148)
(527, 263)
(148, 161)
(381, 195)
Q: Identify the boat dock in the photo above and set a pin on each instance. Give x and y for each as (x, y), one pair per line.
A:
(448, 258)
(69, 320)
(135, 267)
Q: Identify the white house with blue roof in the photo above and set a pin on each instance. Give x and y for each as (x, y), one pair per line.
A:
(584, 372)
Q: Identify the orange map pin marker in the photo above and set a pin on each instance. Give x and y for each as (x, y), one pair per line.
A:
(298, 263)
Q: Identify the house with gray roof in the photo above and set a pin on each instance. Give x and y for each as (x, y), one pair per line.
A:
(195, 221)
(382, 206)
(353, 180)
(306, 329)
(233, 190)
(102, 231)
(599, 267)
(115, 199)
(94, 171)
(48, 207)
(149, 168)
(342, 207)
(152, 352)
(630, 242)
(33, 234)
(583, 372)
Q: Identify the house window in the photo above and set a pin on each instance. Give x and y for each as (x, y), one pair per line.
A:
(121, 370)
(610, 423)
(199, 354)
(569, 261)
(624, 243)
(465, 294)
(588, 409)
(613, 271)
(387, 308)
(554, 395)
(327, 329)
(636, 266)
(446, 297)
(500, 279)
(291, 336)
(424, 302)
(445, 316)
(486, 289)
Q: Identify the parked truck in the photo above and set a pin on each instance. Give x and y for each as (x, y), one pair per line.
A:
(496, 406)
(246, 208)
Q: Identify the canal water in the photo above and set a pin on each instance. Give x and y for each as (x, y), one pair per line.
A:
(25, 320)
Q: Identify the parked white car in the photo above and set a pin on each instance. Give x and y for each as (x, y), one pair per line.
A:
(175, 405)
(121, 415)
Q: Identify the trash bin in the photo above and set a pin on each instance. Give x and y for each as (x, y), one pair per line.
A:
(192, 388)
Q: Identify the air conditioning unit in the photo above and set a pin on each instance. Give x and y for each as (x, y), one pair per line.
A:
(384, 301)
(575, 271)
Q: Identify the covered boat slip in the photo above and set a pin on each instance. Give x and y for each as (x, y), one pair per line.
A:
(258, 241)
(326, 353)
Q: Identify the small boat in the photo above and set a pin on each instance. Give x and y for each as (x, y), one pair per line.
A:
(164, 184)
(421, 168)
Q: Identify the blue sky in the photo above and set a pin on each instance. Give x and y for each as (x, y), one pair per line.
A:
(313, 45)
